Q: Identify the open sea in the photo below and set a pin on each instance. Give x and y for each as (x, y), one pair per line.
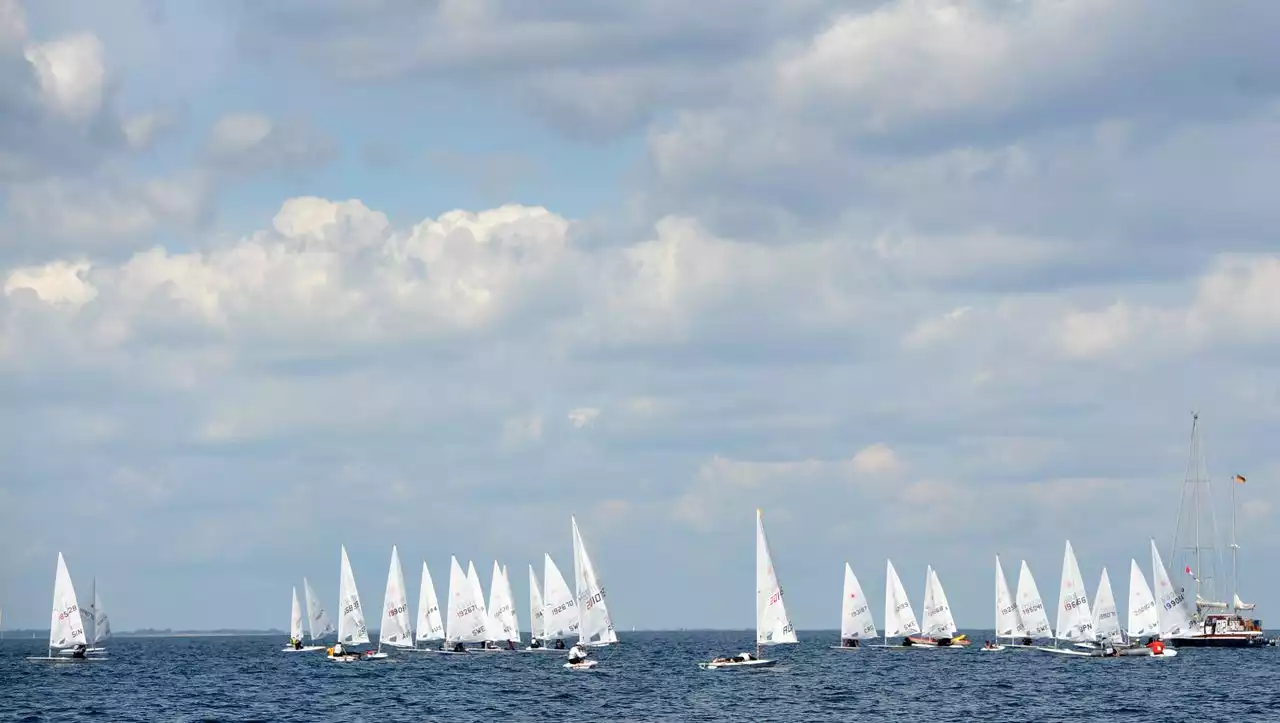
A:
(650, 676)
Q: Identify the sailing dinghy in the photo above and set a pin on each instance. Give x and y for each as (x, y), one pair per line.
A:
(595, 625)
(938, 623)
(1144, 619)
(537, 617)
(899, 618)
(468, 622)
(560, 620)
(855, 614)
(295, 629)
(430, 626)
(477, 592)
(351, 626)
(1008, 620)
(773, 626)
(1031, 610)
(318, 623)
(501, 612)
(66, 629)
(394, 630)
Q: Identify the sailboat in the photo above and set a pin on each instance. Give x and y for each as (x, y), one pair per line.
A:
(430, 626)
(537, 616)
(395, 630)
(855, 614)
(468, 622)
(351, 626)
(1216, 623)
(899, 617)
(1144, 619)
(66, 629)
(595, 626)
(773, 625)
(318, 623)
(96, 624)
(1106, 618)
(513, 618)
(1035, 620)
(1008, 620)
(561, 617)
(295, 629)
(938, 623)
(1075, 622)
(1173, 610)
(477, 592)
(501, 610)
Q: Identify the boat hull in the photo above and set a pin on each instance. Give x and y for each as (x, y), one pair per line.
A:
(584, 665)
(924, 642)
(1219, 641)
(304, 649)
(739, 665)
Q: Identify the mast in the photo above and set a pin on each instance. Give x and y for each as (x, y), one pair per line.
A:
(1235, 552)
(1197, 503)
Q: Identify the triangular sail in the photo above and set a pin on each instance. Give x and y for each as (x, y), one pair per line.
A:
(938, 620)
(1075, 622)
(395, 628)
(467, 619)
(899, 618)
(537, 613)
(89, 612)
(1172, 605)
(513, 619)
(1008, 617)
(430, 626)
(295, 618)
(351, 626)
(561, 619)
(499, 608)
(773, 626)
(855, 613)
(1143, 618)
(67, 626)
(1106, 619)
(1031, 606)
(317, 619)
(595, 625)
(101, 623)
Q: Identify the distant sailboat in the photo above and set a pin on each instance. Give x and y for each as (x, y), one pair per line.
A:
(1144, 620)
(856, 623)
(66, 629)
(430, 625)
(938, 623)
(513, 618)
(1035, 620)
(395, 629)
(561, 617)
(501, 607)
(295, 629)
(899, 618)
(490, 624)
(537, 616)
(773, 625)
(1106, 618)
(318, 623)
(1008, 618)
(1075, 622)
(468, 622)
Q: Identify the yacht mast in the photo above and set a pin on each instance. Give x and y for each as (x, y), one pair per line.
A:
(1201, 555)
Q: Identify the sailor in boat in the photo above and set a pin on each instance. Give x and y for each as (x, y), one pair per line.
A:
(297, 643)
(78, 651)
(849, 643)
(560, 644)
(534, 644)
(1156, 646)
(459, 648)
(1027, 642)
(577, 654)
(986, 645)
(511, 645)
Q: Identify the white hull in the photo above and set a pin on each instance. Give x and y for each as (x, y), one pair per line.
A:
(304, 649)
(63, 659)
(584, 665)
(542, 650)
(376, 656)
(996, 649)
(1068, 651)
(858, 647)
(739, 665)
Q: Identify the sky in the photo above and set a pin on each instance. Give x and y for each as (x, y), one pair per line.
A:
(927, 281)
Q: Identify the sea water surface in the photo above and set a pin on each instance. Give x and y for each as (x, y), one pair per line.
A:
(650, 676)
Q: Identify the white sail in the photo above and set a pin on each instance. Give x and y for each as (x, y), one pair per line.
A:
(395, 628)
(317, 619)
(101, 623)
(1106, 619)
(1075, 622)
(295, 618)
(477, 593)
(351, 626)
(513, 619)
(595, 626)
(855, 612)
(537, 613)
(1238, 604)
(938, 621)
(562, 610)
(88, 613)
(467, 618)
(430, 625)
(899, 618)
(1143, 618)
(499, 607)
(1030, 606)
(773, 626)
(1172, 606)
(1008, 617)
(67, 625)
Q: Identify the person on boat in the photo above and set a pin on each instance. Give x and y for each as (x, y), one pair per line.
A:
(511, 645)
(986, 645)
(78, 651)
(459, 648)
(560, 644)
(1027, 641)
(297, 643)
(745, 657)
(338, 650)
(849, 643)
(1156, 646)
(577, 654)
(534, 644)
